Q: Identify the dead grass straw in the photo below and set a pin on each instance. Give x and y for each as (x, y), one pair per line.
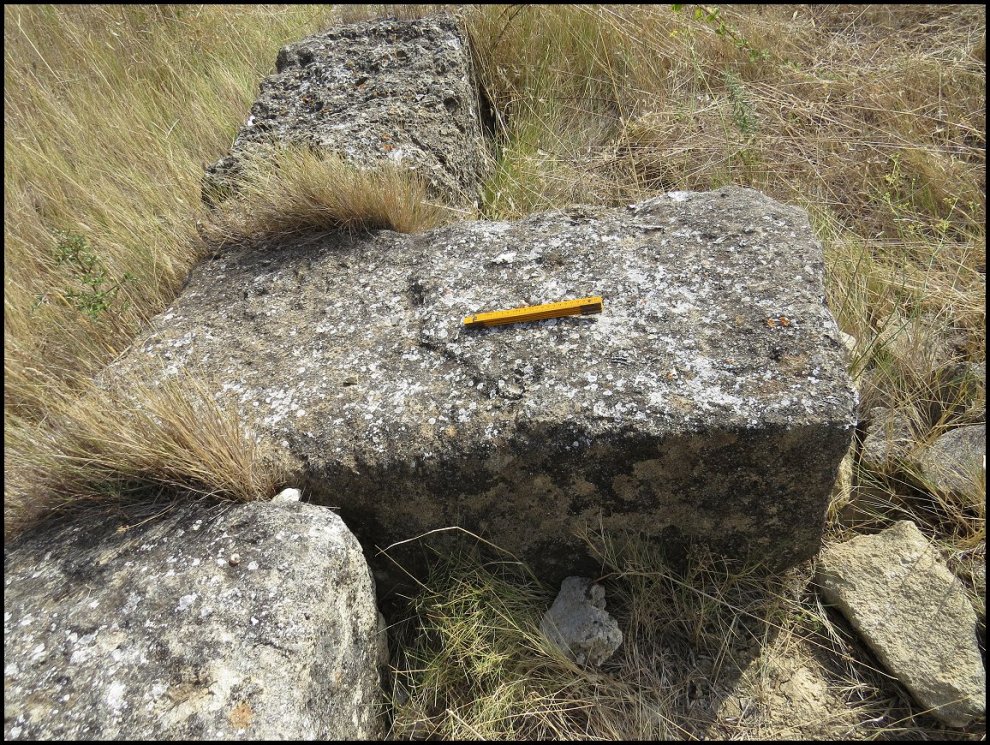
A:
(131, 440)
(296, 190)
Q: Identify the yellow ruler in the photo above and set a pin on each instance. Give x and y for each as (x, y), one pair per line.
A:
(583, 306)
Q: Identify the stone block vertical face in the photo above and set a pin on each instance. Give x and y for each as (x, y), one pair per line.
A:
(709, 401)
(382, 91)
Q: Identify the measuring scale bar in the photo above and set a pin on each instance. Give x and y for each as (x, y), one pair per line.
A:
(582, 306)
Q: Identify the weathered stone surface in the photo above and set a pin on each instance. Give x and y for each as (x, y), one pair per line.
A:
(687, 409)
(906, 604)
(889, 438)
(952, 463)
(960, 393)
(254, 621)
(372, 92)
(578, 624)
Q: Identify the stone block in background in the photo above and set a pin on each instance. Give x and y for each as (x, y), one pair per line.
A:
(372, 92)
(909, 608)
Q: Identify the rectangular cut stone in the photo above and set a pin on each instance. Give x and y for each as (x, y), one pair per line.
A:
(381, 91)
(709, 401)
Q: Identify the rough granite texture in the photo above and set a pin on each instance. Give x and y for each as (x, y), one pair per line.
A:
(912, 611)
(954, 461)
(687, 409)
(372, 92)
(254, 621)
(889, 438)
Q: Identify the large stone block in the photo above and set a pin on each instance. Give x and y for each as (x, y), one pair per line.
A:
(708, 401)
(253, 621)
(382, 91)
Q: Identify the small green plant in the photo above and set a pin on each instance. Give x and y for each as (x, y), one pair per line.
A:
(713, 17)
(74, 249)
(742, 111)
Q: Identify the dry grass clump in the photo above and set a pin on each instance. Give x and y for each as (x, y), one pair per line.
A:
(127, 441)
(297, 190)
(475, 665)
(110, 114)
(708, 649)
(776, 98)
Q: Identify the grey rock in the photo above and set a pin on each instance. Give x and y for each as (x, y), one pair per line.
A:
(398, 91)
(578, 624)
(910, 609)
(889, 439)
(952, 463)
(687, 409)
(157, 632)
(959, 394)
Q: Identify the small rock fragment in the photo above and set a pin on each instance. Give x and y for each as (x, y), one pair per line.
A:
(578, 624)
(288, 495)
(888, 439)
(909, 608)
(951, 463)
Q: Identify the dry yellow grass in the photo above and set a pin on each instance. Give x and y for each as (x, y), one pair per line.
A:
(296, 190)
(110, 115)
(125, 441)
(698, 639)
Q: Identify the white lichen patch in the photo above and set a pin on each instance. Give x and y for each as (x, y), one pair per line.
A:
(116, 696)
(185, 602)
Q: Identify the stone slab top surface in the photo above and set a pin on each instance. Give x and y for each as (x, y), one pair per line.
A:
(349, 352)
(363, 337)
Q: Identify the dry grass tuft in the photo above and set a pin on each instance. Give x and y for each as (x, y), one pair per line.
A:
(129, 441)
(709, 647)
(474, 665)
(110, 115)
(296, 190)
